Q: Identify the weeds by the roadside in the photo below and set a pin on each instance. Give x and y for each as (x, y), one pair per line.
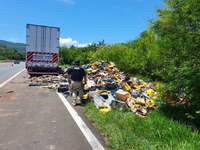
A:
(182, 113)
(64, 66)
(124, 130)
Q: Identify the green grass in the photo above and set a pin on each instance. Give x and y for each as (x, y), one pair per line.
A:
(123, 130)
(63, 66)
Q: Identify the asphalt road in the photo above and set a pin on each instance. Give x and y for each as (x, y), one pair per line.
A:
(7, 70)
(35, 118)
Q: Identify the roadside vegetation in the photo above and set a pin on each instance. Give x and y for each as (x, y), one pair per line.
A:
(167, 52)
(124, 130)
(10, 53)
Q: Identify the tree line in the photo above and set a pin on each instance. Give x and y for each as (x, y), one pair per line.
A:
(11, 53)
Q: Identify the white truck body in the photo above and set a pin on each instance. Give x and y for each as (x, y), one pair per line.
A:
(42, 49)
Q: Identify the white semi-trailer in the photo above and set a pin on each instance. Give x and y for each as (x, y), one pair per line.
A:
(42, 49)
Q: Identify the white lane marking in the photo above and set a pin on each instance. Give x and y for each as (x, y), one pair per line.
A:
(83, 127)
(2, 84)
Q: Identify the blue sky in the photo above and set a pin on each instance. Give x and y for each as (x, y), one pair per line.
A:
(80, 21)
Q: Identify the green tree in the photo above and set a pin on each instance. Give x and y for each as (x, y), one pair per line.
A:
(178, 32)
(144, 53)
(9, 53)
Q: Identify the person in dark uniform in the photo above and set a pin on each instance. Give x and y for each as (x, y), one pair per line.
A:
(77, 79)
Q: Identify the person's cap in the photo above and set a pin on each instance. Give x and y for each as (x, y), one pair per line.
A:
(77, 61)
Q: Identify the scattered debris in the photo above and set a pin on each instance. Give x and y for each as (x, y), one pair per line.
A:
(107, 87)
(115, 89)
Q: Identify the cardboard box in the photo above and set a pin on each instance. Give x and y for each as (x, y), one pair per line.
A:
(122, 95)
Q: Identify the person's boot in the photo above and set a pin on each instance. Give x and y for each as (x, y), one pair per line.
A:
(78, 100)
(74, 102)
(82, 102)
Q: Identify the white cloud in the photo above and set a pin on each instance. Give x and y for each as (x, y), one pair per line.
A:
(69, 42)
(83, 45)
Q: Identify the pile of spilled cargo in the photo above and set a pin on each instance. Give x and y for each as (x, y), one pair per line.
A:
(107, 87)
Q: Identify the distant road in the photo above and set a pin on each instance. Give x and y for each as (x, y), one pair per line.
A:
(7, 70)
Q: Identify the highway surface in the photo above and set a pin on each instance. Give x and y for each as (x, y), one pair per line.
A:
(36, 118)
(7, 70)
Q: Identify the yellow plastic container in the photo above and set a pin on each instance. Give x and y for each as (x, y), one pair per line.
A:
(101, 91)
(140, 101)
(150, 92)
(152, 102)
(94, 65)
(134, 85)
(105, 109)
(126, 87)
(117, 78)
(94, 71)
(85, 96)
(89, 70)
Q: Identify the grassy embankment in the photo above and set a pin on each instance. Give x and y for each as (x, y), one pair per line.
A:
(124, 130)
